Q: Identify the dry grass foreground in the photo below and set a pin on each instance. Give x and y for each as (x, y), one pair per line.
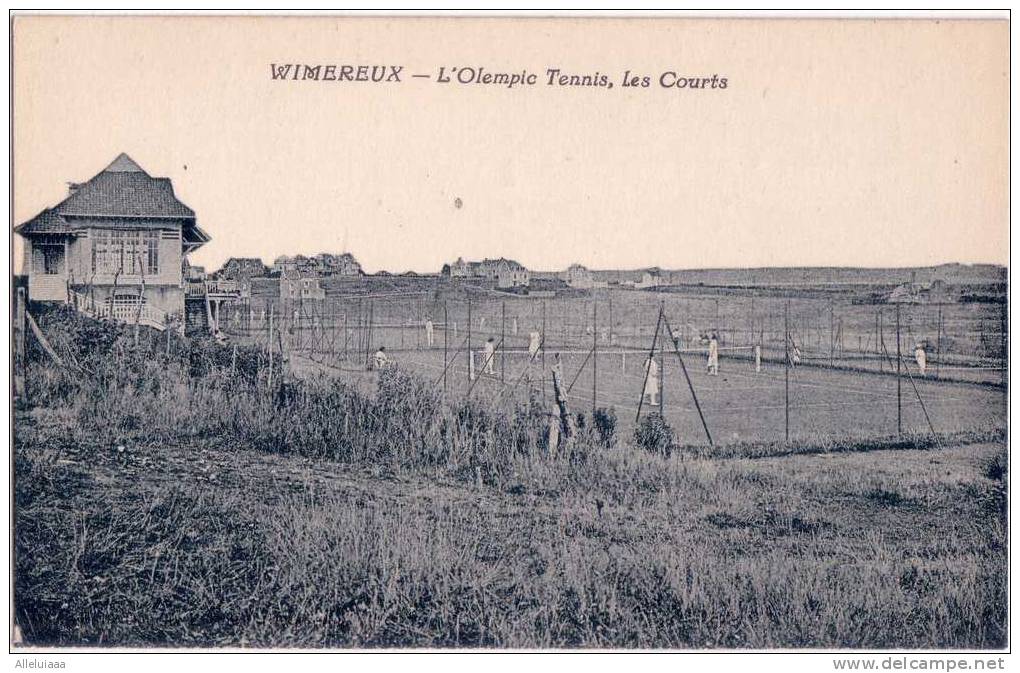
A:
(141, 527)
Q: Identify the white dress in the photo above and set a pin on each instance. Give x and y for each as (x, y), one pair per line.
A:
(490, 350)
(533, 344)
(652, 384)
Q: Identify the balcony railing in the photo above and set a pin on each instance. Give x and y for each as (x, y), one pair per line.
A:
(130, 313)
(197, 288)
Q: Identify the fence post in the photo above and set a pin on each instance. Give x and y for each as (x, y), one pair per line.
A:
(20, 359)
(269, 378)
(651, 355)
(662, 364)
(446, 340)
(610, 333)
(1004, 353)
(899, 401)
(469, 351)
(595, 358)
(542, 343)
(832, 333)
(938, 344)
(690, 385)
(786, 359)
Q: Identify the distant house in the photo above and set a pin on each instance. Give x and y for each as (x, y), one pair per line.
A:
(918, 293)
(337, 265)
(458, 269)
(578, 276)
(507, 273)
(297, 263)
(238, 268)
(116, 247)
(283, 263)
(297, 286)
(486, 269)
(324, 264)
(510, 274)
(650, 278)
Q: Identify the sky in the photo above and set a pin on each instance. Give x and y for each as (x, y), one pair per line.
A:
(850, 143)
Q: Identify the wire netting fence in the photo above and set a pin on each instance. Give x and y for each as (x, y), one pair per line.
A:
(799, 367)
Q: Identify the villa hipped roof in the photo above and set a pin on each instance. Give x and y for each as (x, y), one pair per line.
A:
(122, 189)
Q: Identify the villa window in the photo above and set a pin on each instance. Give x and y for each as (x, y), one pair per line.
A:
(129, 252)
(48, 260)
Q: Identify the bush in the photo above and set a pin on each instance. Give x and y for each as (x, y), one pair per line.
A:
(605, 426)
(997, 467)
(655, 435)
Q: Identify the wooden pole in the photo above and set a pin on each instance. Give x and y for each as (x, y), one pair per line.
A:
(502, 351)
(690, 385)
(786, 390)
(651, 354)
(917, 393)
(662, 364)
(899, 400)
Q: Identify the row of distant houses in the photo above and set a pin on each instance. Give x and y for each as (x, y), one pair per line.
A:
(509, 274)
(322, 264)
(117, 246)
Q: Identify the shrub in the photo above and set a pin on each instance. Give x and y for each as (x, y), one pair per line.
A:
(605, 426)
(997, 467)
(655, 435)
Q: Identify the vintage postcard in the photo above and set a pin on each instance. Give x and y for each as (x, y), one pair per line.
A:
(510, 333)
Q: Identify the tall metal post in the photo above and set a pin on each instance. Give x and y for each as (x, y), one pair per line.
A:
(469, 340)
(899, 401)
(1004, 353)
(502, 346)
(595, 358)
(938, 344)
(662, 369)
(269, 378)
(609, 333)
(832, 334)
(786, 348)
(881, 339)
(20, 359)
(542, 343)
(446, 341)
(750, 332)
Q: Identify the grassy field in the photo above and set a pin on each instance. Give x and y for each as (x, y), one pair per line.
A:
(171, 495)
(739, 404)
